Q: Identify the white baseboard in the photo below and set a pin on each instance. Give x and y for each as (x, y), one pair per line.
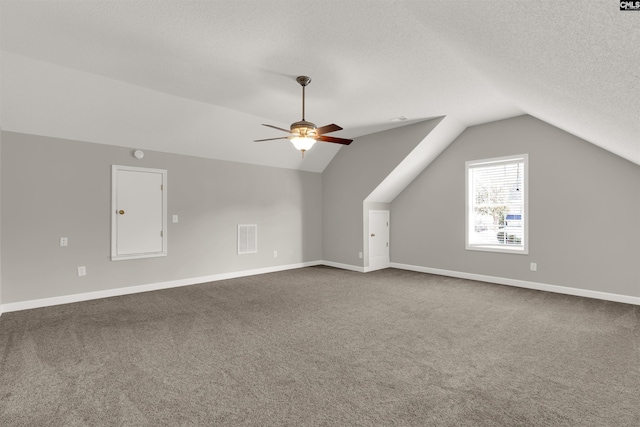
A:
(344, 266)
(352, 267)
(370, 269)
(627, 299)
(66, 299)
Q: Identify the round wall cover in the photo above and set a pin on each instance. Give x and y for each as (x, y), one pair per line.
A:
(138, 154)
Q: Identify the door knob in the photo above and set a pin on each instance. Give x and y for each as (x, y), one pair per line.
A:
(373, 235)
(121, 212)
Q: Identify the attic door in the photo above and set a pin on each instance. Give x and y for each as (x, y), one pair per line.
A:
(138, 213)
(378, 240)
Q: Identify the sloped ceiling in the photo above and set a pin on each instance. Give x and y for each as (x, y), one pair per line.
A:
(573, 64)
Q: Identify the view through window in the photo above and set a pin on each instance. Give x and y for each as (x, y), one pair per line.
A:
(497, 204)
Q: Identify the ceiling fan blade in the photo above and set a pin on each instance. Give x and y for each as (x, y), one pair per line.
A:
(328, 129)
(276, 127)
(335, 140)
(270, 139)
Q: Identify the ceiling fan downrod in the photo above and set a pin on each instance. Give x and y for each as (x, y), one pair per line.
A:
(304, 81)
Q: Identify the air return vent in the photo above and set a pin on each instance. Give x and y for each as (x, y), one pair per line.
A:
(247, 239)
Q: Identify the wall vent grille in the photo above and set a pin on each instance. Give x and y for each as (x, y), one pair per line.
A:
(247, 239)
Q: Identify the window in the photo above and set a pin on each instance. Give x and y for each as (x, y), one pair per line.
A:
(497, 215)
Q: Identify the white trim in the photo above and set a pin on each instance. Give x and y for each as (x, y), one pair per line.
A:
(472, 164)
(378, 263)
(350, 267)
(114, 216)
(344, 266)
(140, 255)
(67, 299)
(627, 299)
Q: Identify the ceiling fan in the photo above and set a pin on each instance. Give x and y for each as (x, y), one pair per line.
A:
(304, 134)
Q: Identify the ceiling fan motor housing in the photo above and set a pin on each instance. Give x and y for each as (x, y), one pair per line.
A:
(304, 128)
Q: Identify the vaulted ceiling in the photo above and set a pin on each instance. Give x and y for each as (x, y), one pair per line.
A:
(205, 74)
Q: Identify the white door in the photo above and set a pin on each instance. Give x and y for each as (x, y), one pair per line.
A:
(138, 213)
(378, 240)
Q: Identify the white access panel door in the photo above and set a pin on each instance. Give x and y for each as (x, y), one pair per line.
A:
(138, 213)
(378, 240)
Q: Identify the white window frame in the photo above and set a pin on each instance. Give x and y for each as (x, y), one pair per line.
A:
(469, 218)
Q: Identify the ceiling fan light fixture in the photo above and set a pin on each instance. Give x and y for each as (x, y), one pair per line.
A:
(302, 143)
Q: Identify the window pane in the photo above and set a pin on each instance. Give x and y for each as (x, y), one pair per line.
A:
(496, 193)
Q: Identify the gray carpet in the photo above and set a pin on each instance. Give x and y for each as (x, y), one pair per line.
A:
(321, 346)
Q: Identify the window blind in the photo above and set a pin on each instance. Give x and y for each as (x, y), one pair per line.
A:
(496, 203)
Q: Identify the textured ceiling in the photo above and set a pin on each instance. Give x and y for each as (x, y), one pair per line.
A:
(574, 64)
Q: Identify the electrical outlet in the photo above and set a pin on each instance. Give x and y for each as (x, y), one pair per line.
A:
(175, 218)
(64, 241)
(275, 254)
(82, 271)
(534, 266)
(359, 254)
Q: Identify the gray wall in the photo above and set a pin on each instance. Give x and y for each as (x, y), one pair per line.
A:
(1, 220)
(584, 210)
(351, 176)
(53, 188)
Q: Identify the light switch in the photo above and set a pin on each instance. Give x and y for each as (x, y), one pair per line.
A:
(175, 218)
